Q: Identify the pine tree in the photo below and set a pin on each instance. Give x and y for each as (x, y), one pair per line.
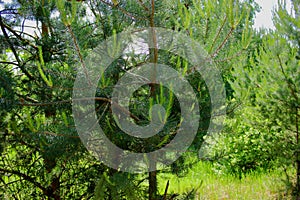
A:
(42, 155)
(267, 87)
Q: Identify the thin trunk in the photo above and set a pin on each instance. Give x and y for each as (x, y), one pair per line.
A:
(152, 182)
(49, 111)
(45, 28)
(54, 189)
(154, 60)
(55, 186)
(297, 157)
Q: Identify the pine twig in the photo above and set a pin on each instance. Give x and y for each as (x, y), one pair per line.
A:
(79, 53)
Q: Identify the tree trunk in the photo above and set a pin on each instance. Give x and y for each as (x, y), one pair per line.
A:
(54, 189)
(43, 19)
(152, 182)
(55, 186)
(297, 158)
(154, 60)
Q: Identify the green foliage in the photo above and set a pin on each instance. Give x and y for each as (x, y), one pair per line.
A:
(41, 153)
(244, 147)
(67, 16)
(41, 65)
(118, 186)
(7, 96)
(264, 132)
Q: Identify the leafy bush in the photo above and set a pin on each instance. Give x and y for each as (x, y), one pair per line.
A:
(242, 147)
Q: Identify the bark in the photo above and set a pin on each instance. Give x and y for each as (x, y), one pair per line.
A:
(154, 59)
(297, 157)
(54, 188)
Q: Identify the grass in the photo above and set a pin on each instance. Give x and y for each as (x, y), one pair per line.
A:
(214, 186)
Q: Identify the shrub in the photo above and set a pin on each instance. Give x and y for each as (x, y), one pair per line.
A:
(242, 148)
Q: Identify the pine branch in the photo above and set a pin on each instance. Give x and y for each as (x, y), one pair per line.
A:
(9, 63)
(79, 53)
(14, 32)
(20, 64)
(223, 43)
(143, 5)
(27, 178)
(218, 34)
(291, 85)
(22, 103)
(122, 10)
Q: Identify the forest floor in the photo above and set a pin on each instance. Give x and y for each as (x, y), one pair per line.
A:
(210, 185)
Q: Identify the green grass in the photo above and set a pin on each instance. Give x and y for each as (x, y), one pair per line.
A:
(213, 186)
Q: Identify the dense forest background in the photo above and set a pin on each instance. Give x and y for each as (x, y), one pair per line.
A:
(47, 44)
